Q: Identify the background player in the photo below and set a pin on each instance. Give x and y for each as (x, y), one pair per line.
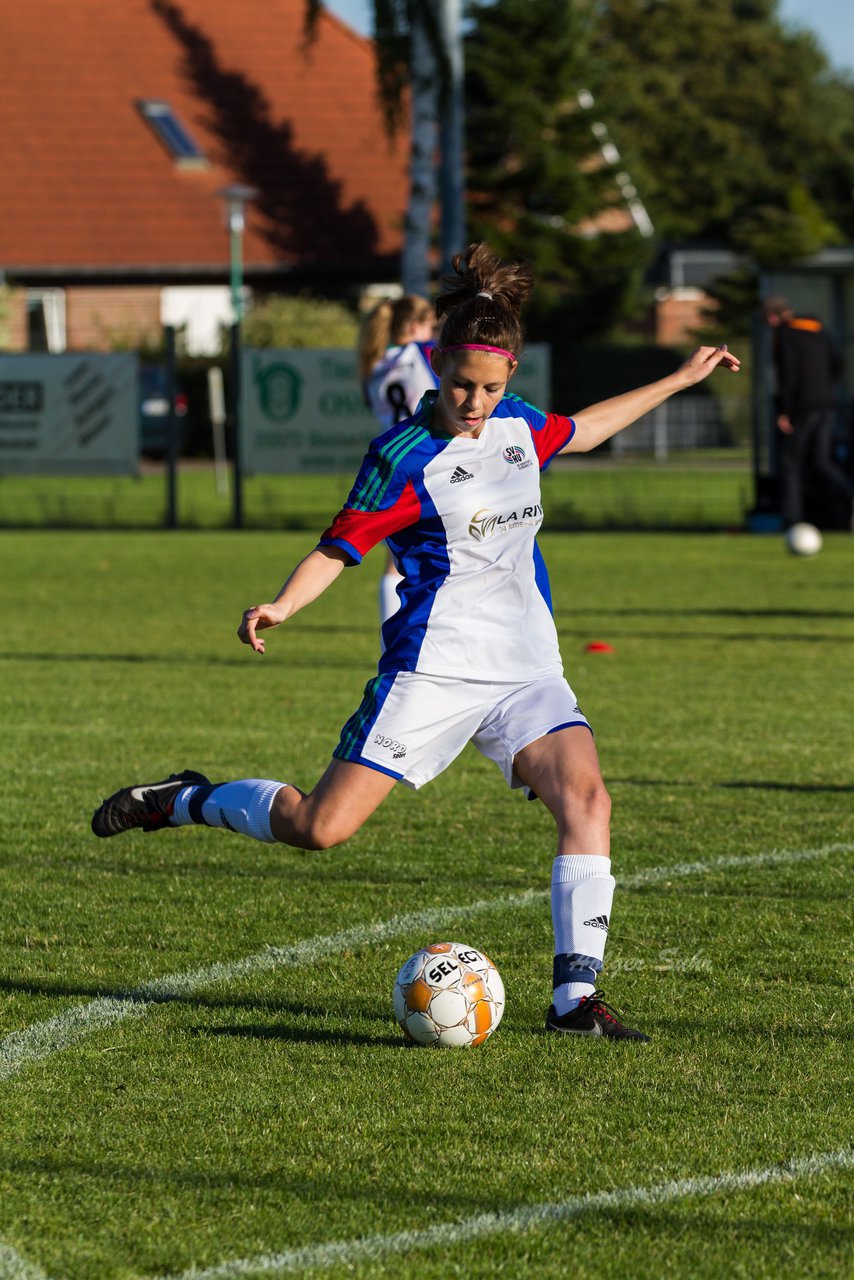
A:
(395, 342)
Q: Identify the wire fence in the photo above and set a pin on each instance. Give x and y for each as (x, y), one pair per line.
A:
(688, 490)
(685, 465)
(686, 422)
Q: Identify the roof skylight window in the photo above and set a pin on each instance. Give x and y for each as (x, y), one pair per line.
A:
(178, 142)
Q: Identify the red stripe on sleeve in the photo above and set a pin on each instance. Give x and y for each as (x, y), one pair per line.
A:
(358, 531)
(555, 433)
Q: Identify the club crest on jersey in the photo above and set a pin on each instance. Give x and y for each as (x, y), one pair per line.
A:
(515, 455)
(484, 523)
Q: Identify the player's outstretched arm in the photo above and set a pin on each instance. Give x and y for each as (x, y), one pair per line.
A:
(603, 420)
(309, 579)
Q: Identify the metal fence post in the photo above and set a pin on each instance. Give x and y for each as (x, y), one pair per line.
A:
(659, 427)
(171, 433)
(234, 406)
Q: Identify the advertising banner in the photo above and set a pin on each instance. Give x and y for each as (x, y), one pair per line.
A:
(69, 414)
(303, 410)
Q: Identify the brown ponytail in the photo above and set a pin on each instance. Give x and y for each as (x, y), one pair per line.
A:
(481, 302)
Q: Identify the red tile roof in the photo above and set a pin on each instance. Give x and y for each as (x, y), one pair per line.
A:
(85, 183)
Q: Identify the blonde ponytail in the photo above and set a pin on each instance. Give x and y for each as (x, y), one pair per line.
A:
(374, 337)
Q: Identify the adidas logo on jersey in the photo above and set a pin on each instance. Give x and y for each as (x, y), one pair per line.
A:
(461, 474)
(598, 922)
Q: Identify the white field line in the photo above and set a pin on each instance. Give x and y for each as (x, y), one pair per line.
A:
(527, 1217)
(43, 1039)
(14, 1267)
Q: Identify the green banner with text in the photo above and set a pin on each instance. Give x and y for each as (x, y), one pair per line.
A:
(302, 410)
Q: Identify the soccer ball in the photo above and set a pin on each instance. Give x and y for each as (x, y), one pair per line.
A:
(803, 540)
(447, 995)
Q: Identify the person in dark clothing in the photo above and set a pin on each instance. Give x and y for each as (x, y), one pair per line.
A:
(808, 366)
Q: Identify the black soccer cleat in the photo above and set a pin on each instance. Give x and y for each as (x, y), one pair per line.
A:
(592, 1017)
(148, 806)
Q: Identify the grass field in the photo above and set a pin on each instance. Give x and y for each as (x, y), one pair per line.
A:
(706, 490)
(199, 1070)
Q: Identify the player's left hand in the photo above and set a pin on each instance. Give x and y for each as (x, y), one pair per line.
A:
(704, 360)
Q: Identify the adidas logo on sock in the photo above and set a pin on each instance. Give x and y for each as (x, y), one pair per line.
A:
(598, 922)
(461, 474)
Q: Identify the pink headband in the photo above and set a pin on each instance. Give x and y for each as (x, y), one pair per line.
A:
(477, 346)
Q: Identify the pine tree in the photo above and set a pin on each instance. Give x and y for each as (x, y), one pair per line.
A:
(537, 179)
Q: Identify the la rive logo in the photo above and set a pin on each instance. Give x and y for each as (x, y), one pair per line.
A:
(515, 455)
(484, 523)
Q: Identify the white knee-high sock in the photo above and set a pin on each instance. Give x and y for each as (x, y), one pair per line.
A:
(582, 893)
(243, 806)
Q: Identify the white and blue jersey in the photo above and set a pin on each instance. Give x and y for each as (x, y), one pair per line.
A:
(398, 381)
(461, 517)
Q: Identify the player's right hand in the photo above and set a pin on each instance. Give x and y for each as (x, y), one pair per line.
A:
(258, 618)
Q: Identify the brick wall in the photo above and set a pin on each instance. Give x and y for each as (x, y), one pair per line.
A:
(105, 317)
(13, 320)
(678, 314)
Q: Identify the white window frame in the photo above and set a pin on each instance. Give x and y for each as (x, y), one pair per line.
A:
(52, 302)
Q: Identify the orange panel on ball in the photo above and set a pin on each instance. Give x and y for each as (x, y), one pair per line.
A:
(418, 996)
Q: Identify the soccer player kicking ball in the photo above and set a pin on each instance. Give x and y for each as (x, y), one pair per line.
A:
(455, 491)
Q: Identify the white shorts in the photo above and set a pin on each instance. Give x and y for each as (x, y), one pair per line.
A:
(412, 726)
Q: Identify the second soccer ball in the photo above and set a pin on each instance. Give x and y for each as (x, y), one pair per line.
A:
(803, 540)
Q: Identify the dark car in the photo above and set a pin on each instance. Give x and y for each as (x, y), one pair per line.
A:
(155, 419)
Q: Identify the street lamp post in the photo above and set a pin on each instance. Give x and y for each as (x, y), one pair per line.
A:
(236, 198)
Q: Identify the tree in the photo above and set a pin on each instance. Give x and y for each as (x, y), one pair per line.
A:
(538, 183)
(418, 51)
(303, 321)
(419, 45)
(729, 119)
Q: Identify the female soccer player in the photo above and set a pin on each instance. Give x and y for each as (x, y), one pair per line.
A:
(472, 653)
(395, 344)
